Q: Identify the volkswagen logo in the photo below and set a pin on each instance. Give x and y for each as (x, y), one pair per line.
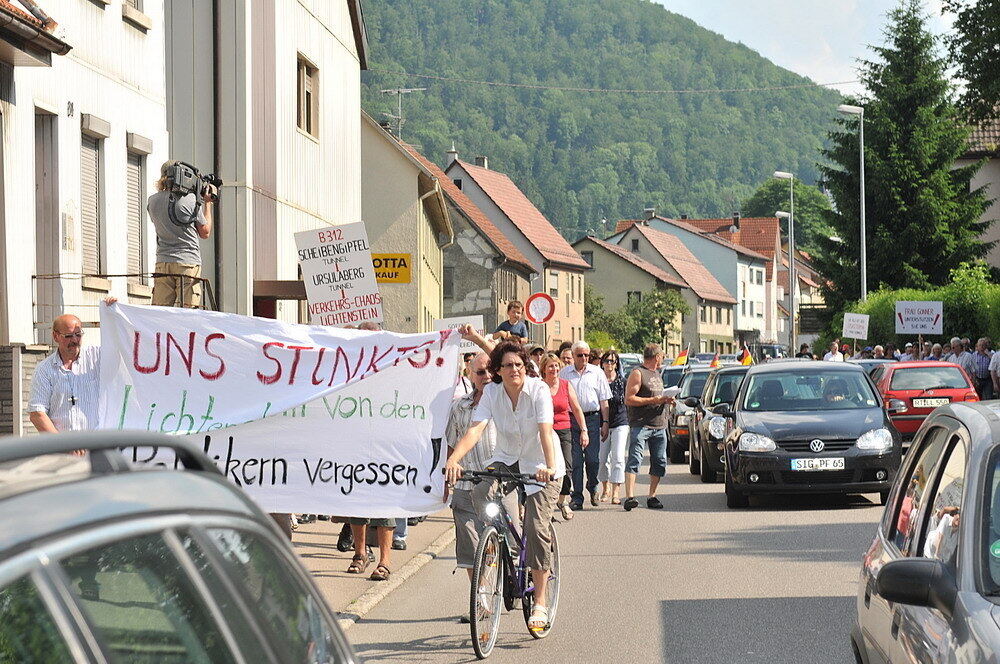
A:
(817, 445)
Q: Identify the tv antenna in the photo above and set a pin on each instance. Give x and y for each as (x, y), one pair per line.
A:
(398, 117)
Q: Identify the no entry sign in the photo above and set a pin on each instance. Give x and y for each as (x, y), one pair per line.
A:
(539, 308)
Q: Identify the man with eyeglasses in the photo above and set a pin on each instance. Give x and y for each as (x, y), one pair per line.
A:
(65, 386)
(592, 392)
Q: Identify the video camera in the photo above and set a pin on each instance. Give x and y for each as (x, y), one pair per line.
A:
(188, 180)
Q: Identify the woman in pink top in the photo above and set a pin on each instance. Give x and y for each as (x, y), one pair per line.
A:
(563, 402)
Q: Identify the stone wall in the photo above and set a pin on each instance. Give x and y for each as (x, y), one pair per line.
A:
(17, 366)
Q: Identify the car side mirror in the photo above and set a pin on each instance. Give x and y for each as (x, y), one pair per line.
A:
(896, 407)
(692, 402)
(723, 409)
(918, 582)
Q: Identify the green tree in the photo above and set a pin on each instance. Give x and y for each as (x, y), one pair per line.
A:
(923, 218)
(974, 46)
(811, 205)
(649, 319)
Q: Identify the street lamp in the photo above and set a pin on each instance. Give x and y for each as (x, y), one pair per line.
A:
(790, 215)
(847, 109)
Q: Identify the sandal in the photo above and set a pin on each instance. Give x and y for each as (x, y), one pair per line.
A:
(616, 501)
(381, 573)
(358, 565)
(567, 513)
(539, 619)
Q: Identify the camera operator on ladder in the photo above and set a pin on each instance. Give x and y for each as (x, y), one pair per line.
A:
(181, 214)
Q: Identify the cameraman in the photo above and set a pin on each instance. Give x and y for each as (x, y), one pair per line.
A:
(180, 220)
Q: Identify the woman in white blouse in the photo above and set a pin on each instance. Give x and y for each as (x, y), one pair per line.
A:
(521, 409)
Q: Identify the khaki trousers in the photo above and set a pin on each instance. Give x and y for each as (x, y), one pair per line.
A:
(167, 290)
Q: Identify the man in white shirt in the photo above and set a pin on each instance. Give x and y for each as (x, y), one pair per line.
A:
(593, 392)
(65, 387)
(834, 354)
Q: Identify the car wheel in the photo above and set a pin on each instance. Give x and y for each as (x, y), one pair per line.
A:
(734, 497)
(708, 476)
(694, 460)
(883, 497)
(675, 452)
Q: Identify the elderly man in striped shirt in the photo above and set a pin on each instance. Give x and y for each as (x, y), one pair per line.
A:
(65, 386)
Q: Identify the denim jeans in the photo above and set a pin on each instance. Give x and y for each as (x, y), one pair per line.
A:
(401, 529)
(656, 439)
(586, 458)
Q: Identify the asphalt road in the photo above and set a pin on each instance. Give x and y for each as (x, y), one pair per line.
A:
(693, 583)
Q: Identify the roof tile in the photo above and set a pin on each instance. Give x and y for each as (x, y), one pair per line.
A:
(522, 212)
(20, 14)
(985, 139)
(639, 262)
(472, 211)
(680, 258)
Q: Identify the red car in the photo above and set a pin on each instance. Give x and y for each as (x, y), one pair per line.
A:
(913, 389)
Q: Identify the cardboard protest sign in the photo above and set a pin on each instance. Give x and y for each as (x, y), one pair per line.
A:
(339, 276)
(919, 317)
(454, 323)
(305, 419)
(855, 326)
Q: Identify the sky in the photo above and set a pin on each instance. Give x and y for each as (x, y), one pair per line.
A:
(821, 39)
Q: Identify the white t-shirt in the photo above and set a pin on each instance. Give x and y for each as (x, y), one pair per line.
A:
(517, 430)
(833, 357)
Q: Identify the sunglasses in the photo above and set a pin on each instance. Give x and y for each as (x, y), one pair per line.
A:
(610, 360)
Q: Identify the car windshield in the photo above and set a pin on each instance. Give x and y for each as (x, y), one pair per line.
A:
(813, 390)
(692, 384)
(726, 387)
(990, 554)
(928, 378)
(672, 376)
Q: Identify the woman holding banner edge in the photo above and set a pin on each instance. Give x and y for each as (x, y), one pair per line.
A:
(521, 409)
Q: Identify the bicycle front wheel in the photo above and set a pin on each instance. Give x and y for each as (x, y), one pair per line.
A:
(486, 595)
(551, 593)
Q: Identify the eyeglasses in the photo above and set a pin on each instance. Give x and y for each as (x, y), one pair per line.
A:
(583, 354)
(483, 372)
(72, 335)
(516, 366)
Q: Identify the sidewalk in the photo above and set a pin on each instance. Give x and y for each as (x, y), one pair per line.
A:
(353, 595)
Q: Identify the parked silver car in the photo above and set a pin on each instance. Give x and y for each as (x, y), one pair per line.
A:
(930, 582)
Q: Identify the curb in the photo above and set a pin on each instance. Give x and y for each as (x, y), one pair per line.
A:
(368, 600)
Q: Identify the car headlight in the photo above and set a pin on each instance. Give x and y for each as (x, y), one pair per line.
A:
(876, 439)
(682, 419)
(754, 442)
(717, 427)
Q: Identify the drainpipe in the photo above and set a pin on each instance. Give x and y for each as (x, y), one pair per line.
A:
(216, 140)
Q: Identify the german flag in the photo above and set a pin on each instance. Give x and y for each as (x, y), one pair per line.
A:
(682, 358)
(716, 363)
(746, 358)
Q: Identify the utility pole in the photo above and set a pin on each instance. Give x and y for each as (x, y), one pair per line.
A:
(399, 92)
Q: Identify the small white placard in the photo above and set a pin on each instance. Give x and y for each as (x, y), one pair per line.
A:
(454, 323)
(855, 326)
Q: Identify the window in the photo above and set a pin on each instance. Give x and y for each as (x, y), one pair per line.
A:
(760, 309)
(718, 315)
(589, 257)
(751, 307)
(142, 604)
(729, 316)
(458, 183)
(27, 632)
(307, 115)
(448, 287)
(289, 613)
(916, 490)
(91, 220)
(572, 291)
(634, 296)
(557, 325)
(635, 246)
(701, 313)
(134, 4)
(941, 533)
(135, 226)
(743, 307)
(554, 284)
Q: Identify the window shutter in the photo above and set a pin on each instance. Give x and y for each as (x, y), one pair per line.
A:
(90, 204)
(133, 217)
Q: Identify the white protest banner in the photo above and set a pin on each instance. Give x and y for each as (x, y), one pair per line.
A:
(454, 323)
(919, 317)
(337, 270)
(855, 326)
(348, 422)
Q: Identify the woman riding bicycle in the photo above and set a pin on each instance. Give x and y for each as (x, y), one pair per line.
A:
(521, 409)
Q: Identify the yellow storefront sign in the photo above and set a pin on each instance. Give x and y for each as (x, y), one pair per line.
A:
(392, 268)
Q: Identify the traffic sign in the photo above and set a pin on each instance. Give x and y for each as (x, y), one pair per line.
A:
(539, 308)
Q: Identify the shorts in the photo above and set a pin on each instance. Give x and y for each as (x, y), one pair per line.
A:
(467, 528)
(375, 523)
(656, 439)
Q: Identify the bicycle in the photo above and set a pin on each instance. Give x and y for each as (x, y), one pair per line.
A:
(499, 574)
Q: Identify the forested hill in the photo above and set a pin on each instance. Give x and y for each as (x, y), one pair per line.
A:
(584, 156)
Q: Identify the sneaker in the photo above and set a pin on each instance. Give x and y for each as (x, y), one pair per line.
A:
(575, 506)
(346, 540)
(654, 503)
(630, 504)
(413, 520)
(399, 544)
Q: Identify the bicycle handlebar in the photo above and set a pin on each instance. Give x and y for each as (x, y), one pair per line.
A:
(521, 478)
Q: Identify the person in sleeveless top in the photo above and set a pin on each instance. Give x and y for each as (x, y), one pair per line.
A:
(564, 404)
(645, 401)
(611, 473)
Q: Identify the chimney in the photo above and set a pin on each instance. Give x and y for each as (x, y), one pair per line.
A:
(483, 162)
(450, 156)
(736, 220)
(684, 216)
(649, 212)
